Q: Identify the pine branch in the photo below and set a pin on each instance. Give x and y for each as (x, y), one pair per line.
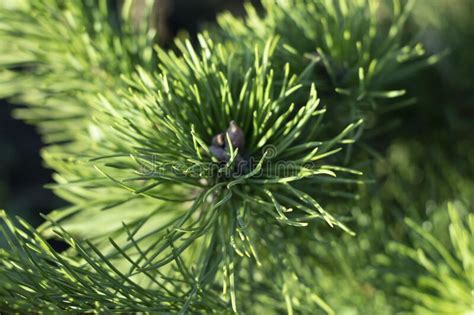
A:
(444, 281)
(158, 138)
(359, 50)
(57, 55)
(35, 277)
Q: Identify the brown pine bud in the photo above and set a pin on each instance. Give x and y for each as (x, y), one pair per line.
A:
(219, 153)
(236, 136)
(219, 140)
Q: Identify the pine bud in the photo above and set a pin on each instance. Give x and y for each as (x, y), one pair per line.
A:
(219, 140)
(219, 153)
(236, 136)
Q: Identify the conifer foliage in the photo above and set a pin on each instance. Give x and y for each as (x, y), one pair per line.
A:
(235, 172)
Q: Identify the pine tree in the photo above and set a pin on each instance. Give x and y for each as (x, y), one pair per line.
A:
(236, 172)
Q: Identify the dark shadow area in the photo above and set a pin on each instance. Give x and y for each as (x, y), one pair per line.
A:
(22, 175)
